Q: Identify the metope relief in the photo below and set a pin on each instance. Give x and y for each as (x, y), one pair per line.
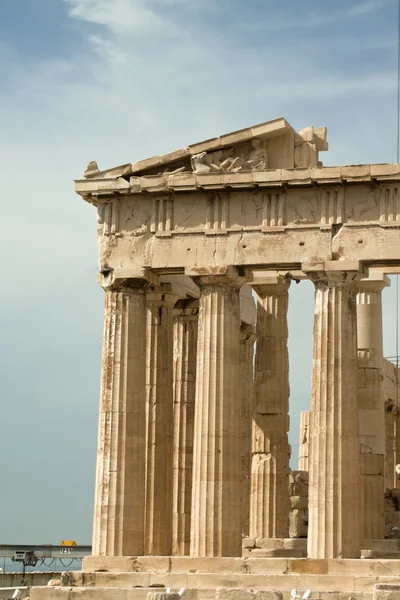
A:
(362, 205)
(303, 208)
(134, 218)
(190, 212)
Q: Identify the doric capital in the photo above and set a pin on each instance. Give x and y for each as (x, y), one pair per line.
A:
(374, 284)
(117, 279)
(335, 273)
(219, 276)
(275, 285)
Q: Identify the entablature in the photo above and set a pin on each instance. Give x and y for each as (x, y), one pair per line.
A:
(93, 189)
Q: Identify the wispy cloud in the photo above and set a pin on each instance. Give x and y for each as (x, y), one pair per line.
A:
(365, 8)
(106, 49)
(127, 16)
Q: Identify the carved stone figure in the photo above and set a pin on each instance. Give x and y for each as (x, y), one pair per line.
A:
(201, 163)
(257, 160)
(258, 157)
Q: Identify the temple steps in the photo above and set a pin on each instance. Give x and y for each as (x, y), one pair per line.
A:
(202, 578)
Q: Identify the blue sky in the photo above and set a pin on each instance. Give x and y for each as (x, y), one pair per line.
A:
(120, 80)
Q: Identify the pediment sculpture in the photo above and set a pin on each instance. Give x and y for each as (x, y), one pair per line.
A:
(270, 145)
(255, 160)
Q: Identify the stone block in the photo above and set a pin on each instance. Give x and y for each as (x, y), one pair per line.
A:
(298, 523)
(384, 545)
(299, 502)
(350, 566)
(268, 595)
(269, 543)
(138, 593)
(117, 564)
(50, 593)
(344, 596)
(259, 565)
(125, 579)
(170, 580)
(309, 566)
(93, 593)
(233, 594)
(157, 564)
(163, 595)
(384, 568)
(248, 542)
(372, 464)
(186, 564)
(386, 592)
(295, 543)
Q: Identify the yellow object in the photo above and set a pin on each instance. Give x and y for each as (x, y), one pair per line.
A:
(68, 543)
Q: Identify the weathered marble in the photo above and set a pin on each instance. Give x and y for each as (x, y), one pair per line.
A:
(215, 529)
(269, 504)
(247, 339)
(371, 403)
(334, 465)
(257, 199)
(119, 509)
(159, 386)
(304, 446)
(185, 348)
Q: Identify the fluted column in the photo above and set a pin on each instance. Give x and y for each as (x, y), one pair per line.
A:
(185, 347)
(371, 403)
(215, 525)
(159, 385)
(120, 493)
(390, 442)
(334, 529)
(304, 440)
(247, 340)
(269, 505)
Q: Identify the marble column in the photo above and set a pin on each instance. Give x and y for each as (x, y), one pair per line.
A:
(396, 451)
(335, 518)
(215, 525)
(390, 443)
(120, 493)
(247, 339)
(185, 347)
(304, 440)
(371, 409)
(269, 496)
(159, 386)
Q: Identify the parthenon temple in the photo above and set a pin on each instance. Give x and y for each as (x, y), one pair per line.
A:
(198, 251)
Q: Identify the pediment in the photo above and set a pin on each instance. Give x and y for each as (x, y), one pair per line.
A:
(270, 145)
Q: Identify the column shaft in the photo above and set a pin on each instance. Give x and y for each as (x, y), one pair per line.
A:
(334, 465)
(304, 440)
(185, 347)
(120, 495)
(269, 506)
(215, 526)
(371, 403)
(390, 441)
(246, 387)
(159, 384)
